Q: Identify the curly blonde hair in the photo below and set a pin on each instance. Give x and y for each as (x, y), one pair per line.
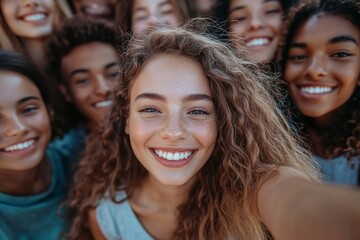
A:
(254, 141)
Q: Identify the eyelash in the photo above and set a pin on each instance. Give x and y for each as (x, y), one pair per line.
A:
(28, 110)
(149, 110)
(199, 112)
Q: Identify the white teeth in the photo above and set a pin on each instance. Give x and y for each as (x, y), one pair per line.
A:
(103, 104)
(258, 42)
(35, 17)
(316, 90)
(20, 146)
(173, 156)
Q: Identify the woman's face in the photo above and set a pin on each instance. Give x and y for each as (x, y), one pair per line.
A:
(323, 64)
(257, 24)
(150, 13)
(24, 123)
(29, 18)
(171, 124)
(102, 9)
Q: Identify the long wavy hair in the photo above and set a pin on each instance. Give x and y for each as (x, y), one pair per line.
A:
(342, 136)
(254, 141)
(9, 41)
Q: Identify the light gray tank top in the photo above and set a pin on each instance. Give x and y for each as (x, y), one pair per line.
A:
(117, 221)
(339, 170)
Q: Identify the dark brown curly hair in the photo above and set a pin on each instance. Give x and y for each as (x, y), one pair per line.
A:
(342, 136)
(254, 141)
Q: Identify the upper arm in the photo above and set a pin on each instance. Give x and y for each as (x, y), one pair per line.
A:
(94, 226)
(277, 196)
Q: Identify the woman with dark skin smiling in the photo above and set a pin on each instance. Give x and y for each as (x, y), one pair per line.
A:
(321, 66)
(194, 148)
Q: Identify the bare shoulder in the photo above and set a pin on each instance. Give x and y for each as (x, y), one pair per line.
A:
(94, 226)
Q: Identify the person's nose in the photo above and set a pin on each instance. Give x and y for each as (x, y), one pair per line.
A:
(15, 126)
(29, 3)
(102, 87)
(316, 68)
(174, 128)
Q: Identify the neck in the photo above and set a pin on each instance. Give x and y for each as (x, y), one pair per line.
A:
(36, 50)
(164, 197)
(26, 182)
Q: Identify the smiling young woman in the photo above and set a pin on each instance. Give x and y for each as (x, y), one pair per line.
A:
(321, 66)
(25, 25)
(195, 148)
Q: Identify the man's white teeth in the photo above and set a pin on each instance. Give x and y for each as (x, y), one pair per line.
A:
(35, 17)
(258, 42)
(316, 90)
(102, 104)
(173, 156)
(20, 146)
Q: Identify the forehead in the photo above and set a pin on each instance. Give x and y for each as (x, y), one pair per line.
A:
(172, 75)
(14, 86)
(250, 3)
(316, 28)
(92, 55)
(150, 3)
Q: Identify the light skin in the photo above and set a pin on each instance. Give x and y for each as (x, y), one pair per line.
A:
(204, 7)
(323, 66)
(257, 24)
(150, 13)
(24, 135)
(168, 112)
(102, 9)
(31, 21)
(90, 72)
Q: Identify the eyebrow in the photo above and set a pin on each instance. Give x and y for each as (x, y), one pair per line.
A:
(298, 45)
(84, 70)
(158, 97)
(25, 99)
(343, 38)
(243, 6)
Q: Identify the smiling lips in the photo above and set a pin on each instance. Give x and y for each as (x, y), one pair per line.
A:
(316, 90)
(103, 104)
(34, 17)
(19, 146)
(173, 156)
(258, 42)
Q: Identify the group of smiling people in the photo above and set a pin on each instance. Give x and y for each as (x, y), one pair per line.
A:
(133, 121)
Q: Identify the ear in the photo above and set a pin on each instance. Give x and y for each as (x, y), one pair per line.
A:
(127, 126)
(65, 92)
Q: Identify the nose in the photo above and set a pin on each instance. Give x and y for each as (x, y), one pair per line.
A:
(174, 128)
(102, 87)
(316, 68)
(15, 127)
(28, 3)
(154, 20)
(256, 21)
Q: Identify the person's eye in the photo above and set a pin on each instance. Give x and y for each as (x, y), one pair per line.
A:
(29, 109)
(167, 12)
(273, 11)
(342, 54)
(297, 57)
(140, 18)
(81, 81)
(199, 112)
(237, 19)
(113, 75)
(149, 110)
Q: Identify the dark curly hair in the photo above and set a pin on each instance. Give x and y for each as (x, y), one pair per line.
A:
(69, 35)
(73, 33)
(343, 135)
(254, 141)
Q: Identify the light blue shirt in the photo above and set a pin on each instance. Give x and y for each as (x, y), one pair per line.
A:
(117, 221)
(339, 170)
